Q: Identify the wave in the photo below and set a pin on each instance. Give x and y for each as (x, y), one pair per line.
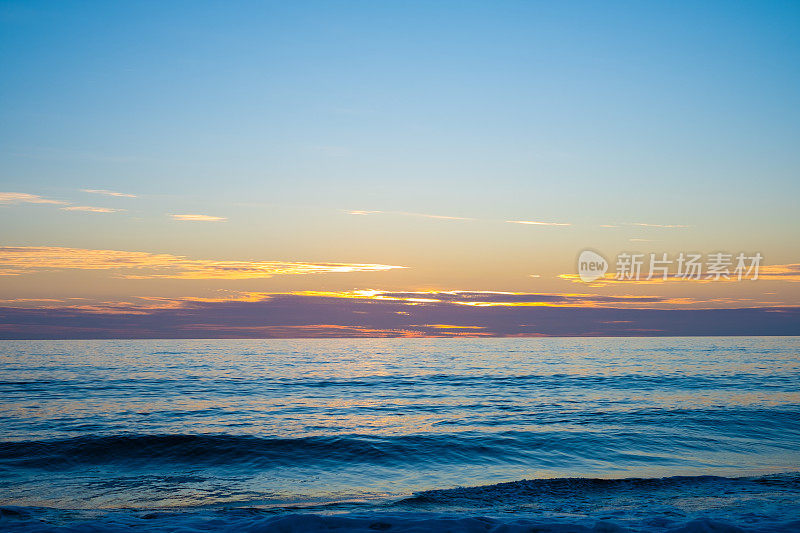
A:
(530, 448)
(630, 381)
(252, 451)
(544, 448)
(689, 504)
(518, 492)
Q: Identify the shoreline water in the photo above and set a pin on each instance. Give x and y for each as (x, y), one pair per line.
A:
(675, 504)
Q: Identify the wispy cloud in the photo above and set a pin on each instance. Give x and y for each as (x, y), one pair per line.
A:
(501, 299)
(785, 272)
(645, 225)
(537, 223)
(363, 212)
(143, 265)
(406, 214)
(25, 198)
(642, 224)
(360, 212)
(440, 217)
(199, 218)
(448, 326)
(109, 193)
(91, 209)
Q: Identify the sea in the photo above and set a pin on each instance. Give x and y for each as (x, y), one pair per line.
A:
(448, 434)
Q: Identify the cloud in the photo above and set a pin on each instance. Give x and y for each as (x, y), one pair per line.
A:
(199, 218)
(296, 315)
(358, 212)
(503, 299)
(21, 197)
(406, 214)
(449, 326)
(143, 265)
(440, 217)
(448, 217)
(642, 224)
(645, 225)
(91, 209)
(536, 223)
(109, 193)
(25, 198)
(785, 272)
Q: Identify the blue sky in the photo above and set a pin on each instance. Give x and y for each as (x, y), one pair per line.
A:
(366, 102)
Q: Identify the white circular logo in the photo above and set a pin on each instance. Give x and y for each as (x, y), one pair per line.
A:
(591, 266)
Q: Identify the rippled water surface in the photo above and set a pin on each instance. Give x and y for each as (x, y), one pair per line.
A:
(116, 424)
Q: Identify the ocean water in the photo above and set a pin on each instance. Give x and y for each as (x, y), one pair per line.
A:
(561, 434)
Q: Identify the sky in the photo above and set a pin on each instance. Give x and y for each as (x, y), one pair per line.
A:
(249, 164)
